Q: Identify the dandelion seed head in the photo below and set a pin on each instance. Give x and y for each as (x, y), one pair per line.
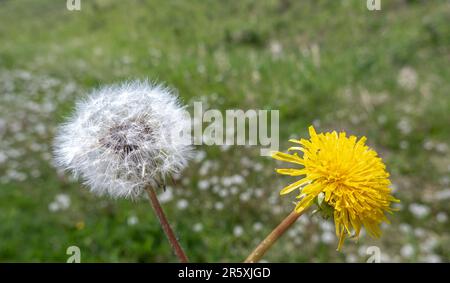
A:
(125, 137)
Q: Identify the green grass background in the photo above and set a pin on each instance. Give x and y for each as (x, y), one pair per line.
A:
(383, 74)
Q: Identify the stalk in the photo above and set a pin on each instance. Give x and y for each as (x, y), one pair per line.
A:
(176, 247)
(276, 233)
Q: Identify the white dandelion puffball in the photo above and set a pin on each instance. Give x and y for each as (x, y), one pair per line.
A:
(125, 137)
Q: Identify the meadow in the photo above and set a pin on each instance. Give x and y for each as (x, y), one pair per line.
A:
(332, 64)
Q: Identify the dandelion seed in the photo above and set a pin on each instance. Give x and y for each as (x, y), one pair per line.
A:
(126, 139)
(123, 138)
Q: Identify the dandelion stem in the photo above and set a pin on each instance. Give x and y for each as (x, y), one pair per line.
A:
(166, 226)
(276, 233)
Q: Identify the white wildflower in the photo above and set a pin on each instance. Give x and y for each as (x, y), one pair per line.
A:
(166, 195)
(328, 237)
(257, 226)
(238, 231)
(125, 137)
(407, 78)
(419, 210)
(182, 204)
(61, 202)
(132, 220)
(198, 227)
(407, 251)
(218, 206)
(441, 217)
(203, 185)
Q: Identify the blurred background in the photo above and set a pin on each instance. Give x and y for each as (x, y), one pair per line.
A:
(333, 64)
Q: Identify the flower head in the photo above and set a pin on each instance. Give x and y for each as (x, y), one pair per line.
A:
(124, 137)
(344, 177)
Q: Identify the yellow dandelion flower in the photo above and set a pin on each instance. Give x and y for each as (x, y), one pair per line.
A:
(346, 175)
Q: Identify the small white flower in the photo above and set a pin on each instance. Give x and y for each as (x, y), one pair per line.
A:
(419, 210)
(182, 204)
(61, 202)
(407, 251)
(125, 137)
(132, 220)
(257, 226)
(238, 231)
(166, 195)
(218, 206)
(407, 78)
(441, 217)
(198, 227)
(203, 185)
(327, 237)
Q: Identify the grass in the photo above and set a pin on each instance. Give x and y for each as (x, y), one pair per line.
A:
(336, 65)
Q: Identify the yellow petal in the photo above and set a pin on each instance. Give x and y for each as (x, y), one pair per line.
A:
(291, 172)
(292, 187)
(341, 239)
(293, 158)
(295, 148)
(295, 141)
(312, 131)
(304, 203)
